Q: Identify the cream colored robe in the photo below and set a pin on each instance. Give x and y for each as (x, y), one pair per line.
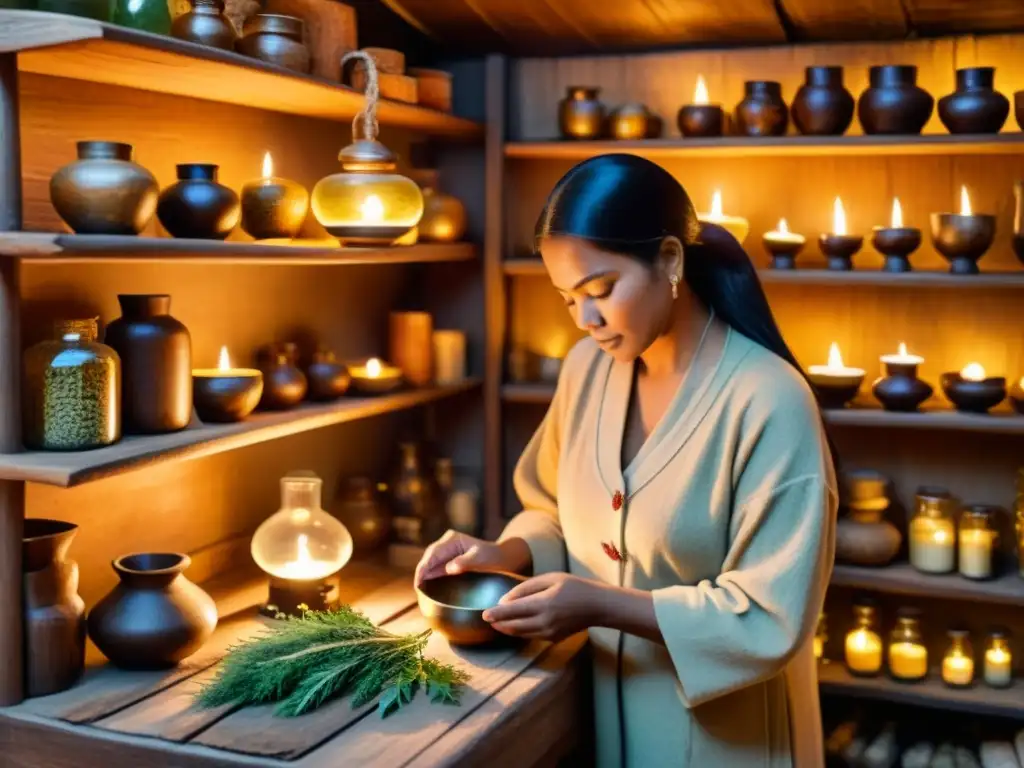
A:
(729, 522)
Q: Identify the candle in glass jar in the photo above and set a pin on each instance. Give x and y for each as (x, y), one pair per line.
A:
(932, 544)
(863, 651)
(908, 660)
(957, 669)
(976, 553)
(998, 667)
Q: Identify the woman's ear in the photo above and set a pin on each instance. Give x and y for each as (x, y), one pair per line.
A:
(670, 259)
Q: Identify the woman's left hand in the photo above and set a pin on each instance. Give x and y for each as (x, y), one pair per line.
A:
(552, 606)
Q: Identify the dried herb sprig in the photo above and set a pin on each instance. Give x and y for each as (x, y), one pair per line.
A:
(322, 655)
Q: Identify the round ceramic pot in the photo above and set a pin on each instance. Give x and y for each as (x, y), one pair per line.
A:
(284, 385)
(155, 617)
(865, 538)
(580, 114)
(275, 39)
(364, 513)
(444, 218)
(206, 24)
(156, 364)
(762, 111)
(328, 378)
(900, 389)
(975, 106)
(894, 103)
(822, 106)
(631, 122)
(197, 206)
(104, 192)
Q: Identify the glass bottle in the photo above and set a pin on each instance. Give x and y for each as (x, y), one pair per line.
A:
(908, 657)
(147, 15)
(958, 663)
(998, 671)
(821, 638)
(417, 506)
(460, 497)
(71, 395)
(863, 643)
(977, 540)
(933, 534)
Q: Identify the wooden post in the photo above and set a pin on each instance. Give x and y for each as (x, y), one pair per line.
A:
(12, 493)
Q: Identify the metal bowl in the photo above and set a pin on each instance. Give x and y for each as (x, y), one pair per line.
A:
(454, 605)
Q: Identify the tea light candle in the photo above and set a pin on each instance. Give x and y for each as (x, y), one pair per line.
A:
(900, 389)
(273, 207)
(932, 544)
(971, 390)
(783, 245)
(225, 394)
(834, 383)
(374, 377)
(863, 652)
(908, 660)
(701, 119)
(998, 669)
(902, 357)
(837, 245)
(737, 226)
(963, 238)
(957, 669)
(896, 242)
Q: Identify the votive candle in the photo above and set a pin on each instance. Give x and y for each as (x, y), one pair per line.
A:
(932, 544)
(998, 670)
(863, 651)
(908, 660)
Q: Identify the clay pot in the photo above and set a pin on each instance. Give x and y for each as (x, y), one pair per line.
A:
(54, 613)
(155, 617)
(822, 106)
(894, 104)
(328, 378)
(197, 206)
(444, 217)
(865, 538)
(762, 111)
(104, 192)
(631, 122)
(975, 106)
(580, 114)
(275, 39)
(284, 385)
(364, 513)
(206, 24)
(900, 389)
(156, 364)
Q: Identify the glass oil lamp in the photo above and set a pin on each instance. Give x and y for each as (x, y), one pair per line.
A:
(301, 546)
(977, 538)
(908, 657)
(958, 663)
(933, 534)
(998, 670)
(863, 643)
(368, 203)
(821, 638)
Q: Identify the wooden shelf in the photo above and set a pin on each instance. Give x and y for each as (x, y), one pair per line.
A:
(71, 249)
(980, 699)
(527, 393)
(902, 579)
(83, 49)
(783, 146)
(75, 468)
(825, 277)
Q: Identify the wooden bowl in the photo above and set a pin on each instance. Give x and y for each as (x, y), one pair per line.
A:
(454, 605)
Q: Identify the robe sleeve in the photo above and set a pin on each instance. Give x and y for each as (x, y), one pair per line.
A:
(745, 626)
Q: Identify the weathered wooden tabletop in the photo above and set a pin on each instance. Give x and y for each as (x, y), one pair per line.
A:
(522, 707)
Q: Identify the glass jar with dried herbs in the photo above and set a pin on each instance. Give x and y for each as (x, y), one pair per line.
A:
(71, 394)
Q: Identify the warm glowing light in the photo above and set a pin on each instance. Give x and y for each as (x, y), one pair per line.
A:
(903, 349)
(268, 166)
(371, 210)
(897, 213)
(373, 368)
(965, 202)
(902, 357)
(223, 360)
(700, 93)
(716, 205)
(835, 359)
(973, 372)
(305, 566)
(835, 365)
(838, 218)
(783, 227)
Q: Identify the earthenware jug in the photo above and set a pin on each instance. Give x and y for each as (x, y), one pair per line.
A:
(275, 39)
(762, 111)
(822, 106)
(206, 24)
(284, 385)
(894, 103)
(328, 378)
(197, 206)
(975, 106)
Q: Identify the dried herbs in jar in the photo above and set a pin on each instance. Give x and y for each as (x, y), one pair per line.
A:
(71, 395)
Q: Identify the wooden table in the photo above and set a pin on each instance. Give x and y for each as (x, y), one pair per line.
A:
(524, 706)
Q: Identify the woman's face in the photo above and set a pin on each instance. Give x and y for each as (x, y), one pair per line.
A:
(623, 303)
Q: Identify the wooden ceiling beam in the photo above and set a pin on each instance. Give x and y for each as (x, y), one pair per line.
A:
(849, 20)
(940, 17)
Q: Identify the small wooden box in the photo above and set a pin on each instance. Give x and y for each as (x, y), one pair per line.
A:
(394, 87)
(434, 88)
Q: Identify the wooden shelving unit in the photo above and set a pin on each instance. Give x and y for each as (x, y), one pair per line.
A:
(902, 579)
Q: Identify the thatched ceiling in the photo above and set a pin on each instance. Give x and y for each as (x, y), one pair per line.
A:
(551, 27)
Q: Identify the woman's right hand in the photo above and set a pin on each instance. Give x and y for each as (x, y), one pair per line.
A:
(457, 553)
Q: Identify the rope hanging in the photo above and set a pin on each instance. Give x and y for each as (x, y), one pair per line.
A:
(368, 115)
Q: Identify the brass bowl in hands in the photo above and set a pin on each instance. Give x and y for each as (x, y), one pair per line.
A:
(454, 605)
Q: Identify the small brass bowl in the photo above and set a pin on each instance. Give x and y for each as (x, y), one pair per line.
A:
(454, 605)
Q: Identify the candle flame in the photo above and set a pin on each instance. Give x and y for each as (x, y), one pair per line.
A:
(897, 213)
(700, 92)
(372, 210)
(838, 218)
(783, 227)
(972, 372)
(965, 202)
(835, 358)
(223, 361)
(903, 349)
(268, 166)
(716, 205)
(373, 368)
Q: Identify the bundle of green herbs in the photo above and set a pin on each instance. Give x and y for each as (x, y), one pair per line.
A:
(310, 660)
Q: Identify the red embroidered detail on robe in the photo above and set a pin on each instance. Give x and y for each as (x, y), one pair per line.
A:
(612, 551)
(617, 501)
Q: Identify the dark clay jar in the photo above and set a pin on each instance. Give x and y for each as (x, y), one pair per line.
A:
(975, 106)
(580, 114)
(328, 378)
(156, 365)
(822, 106)
(894, 103)
(762, 111)
(206, 24)
(284, 385)
(900, 389)
(197, 206)
(275, 39)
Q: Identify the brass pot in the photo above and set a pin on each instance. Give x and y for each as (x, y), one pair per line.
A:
(631, 122)
(444, 218)
(104, 192)
(206, 24)
(275, 39)
(580, 113)
(328, 378)
(454, 605)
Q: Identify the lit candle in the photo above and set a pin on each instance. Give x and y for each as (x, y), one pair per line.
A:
(835, 366)
(737, 226)
(972, 372)
(908, 660)
(902, 357)
(700, 92)
(783, 245)
(305, 567)
(896, 242)
(957, 669)
(371, 210)
(896, 221)
(701, 119)
(781, 234)
(932, 544)
(225, 394)
(863, 651)
(838, 217)
(834, 383)
(838, 246)
(972, 390)
(998, 670)
(965, 202)
(962, 238)
(374, 376)
(273, 207)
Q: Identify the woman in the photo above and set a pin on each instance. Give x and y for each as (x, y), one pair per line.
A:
(679, 495)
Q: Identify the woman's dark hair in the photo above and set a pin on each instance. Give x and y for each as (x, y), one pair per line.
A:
(628, 205)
